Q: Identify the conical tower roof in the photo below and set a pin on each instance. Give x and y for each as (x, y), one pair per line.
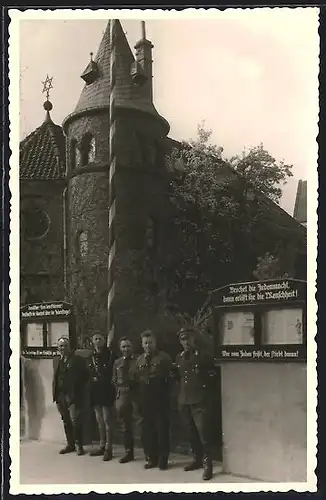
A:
(96, 95)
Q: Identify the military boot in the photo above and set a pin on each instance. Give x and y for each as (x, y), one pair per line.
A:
(70, 439)
(151, 463)
(80, 450)
(208, 469)
(107, 455)
(197, 463)
(163, 463)
(69, 448)
(97, 453)
(127, 457)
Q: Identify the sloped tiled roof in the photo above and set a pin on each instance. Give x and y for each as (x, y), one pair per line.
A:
(300, 207)
(42, 153)
(96, 95)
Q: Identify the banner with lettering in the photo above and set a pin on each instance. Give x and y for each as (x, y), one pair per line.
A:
(260, 292)
(266, 353)
(46, 310)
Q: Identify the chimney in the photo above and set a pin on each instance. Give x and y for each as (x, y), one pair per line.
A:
(144, 59)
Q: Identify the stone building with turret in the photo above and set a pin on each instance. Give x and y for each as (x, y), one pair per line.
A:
(64, 199)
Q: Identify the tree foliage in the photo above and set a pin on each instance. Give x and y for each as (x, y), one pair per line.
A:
(222, 216)
(268, 267)
(262, 171)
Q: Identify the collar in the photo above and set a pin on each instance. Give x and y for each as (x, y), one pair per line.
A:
(194, 352)
(65, 358)
(99, 353)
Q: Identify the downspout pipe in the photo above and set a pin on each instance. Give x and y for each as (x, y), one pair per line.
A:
(64, 225)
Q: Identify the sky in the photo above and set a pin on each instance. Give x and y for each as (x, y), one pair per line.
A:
(251, 74)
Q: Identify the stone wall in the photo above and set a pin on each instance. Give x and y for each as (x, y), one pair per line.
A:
(264, 419)
(42, 259)
(141, 198)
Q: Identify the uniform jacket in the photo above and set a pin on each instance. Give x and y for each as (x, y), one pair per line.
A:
(100, 366)
(122, 376)
(74, 376)
(195, 371)
(152, 375)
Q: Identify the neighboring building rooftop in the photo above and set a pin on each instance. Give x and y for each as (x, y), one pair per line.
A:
(300, 206)
(42, 153)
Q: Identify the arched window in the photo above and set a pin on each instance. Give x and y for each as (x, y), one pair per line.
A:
(88, 149)
(82, 245)
(92, 150)
(74, 155)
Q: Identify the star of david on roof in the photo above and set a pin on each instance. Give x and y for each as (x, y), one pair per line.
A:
(47, 86)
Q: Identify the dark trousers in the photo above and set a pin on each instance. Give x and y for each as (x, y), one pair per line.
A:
(155, 428)
(71, 415)
(196, 420)
(124, 409)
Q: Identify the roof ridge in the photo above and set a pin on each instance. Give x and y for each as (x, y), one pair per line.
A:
(30, 136)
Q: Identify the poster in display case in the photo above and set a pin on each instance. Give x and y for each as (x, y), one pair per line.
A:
(238, 328)
(55, 330)
(282, 326)
(34, 334)
(42, 325)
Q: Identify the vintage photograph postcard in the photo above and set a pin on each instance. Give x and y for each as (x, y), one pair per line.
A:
(163, 247)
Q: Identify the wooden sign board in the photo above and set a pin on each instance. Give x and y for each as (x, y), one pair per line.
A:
(42, 325)
(261, 321)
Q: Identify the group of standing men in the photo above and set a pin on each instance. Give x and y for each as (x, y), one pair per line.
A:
(144, 380)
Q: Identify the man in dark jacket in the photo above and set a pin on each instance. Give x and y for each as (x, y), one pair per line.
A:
(69, 379)
(151, 373)
(195, 369)
(125, 396)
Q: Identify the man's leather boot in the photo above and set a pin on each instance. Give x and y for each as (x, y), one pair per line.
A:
(69, 448)
(208, 468)
(128, 457)
(97, 453)
(80, 450)
(197, 463)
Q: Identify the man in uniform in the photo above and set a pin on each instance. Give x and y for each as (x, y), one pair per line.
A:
(102, 393)
(151, 373)
(69, 379)
(195, 369)
(124, 399)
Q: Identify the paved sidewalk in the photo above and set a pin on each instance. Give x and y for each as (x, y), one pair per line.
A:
(40, 463)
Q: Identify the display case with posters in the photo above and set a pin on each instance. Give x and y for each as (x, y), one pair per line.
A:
(42, 325)
(262, 320)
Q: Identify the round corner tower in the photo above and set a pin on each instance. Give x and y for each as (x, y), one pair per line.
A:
(140, 190)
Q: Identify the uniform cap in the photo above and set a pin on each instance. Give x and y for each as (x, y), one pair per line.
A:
(63, 339)
(185, 332)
